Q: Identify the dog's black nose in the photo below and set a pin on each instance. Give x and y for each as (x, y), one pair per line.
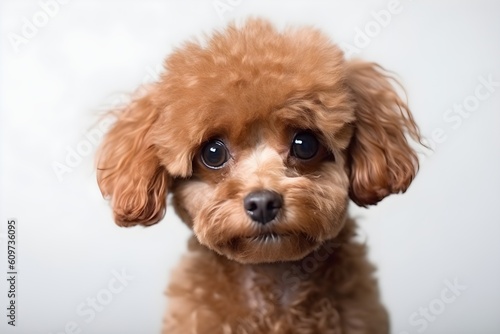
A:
(263, 205)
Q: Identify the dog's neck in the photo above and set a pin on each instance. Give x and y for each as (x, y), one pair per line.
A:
(284, 280)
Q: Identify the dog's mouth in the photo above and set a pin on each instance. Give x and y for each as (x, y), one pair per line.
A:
(264, 238)
(268, 238)
(267, 246)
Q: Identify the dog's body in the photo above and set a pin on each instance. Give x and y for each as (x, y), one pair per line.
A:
(262, 137)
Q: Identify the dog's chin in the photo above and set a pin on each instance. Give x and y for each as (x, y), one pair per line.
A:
(267, 248)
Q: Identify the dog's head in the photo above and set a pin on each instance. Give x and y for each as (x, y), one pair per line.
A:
(262, 137)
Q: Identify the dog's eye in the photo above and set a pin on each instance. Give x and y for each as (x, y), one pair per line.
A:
(214, 154)
(304, 146)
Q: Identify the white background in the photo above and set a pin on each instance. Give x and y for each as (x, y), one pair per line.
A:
(54, 86)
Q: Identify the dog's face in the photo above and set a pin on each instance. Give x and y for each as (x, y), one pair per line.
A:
(262, 137)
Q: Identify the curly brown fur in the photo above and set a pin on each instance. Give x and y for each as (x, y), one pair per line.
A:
(254, 90)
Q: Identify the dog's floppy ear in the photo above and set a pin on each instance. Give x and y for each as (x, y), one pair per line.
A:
(381, 159)
(129, 171)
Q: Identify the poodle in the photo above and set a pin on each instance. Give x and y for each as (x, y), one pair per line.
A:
(263, 137)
